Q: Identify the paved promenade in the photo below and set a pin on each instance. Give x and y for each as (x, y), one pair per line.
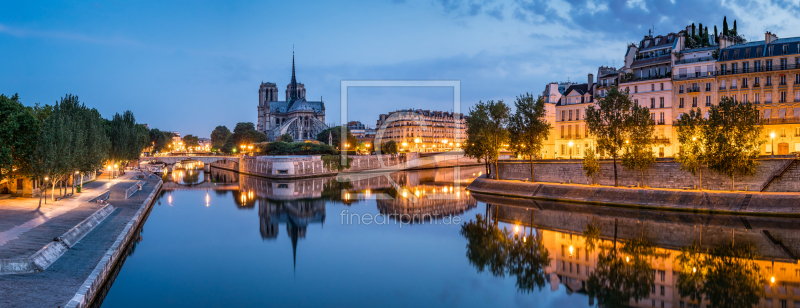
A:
(26, 228)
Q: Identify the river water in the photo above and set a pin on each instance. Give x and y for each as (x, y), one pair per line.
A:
(418, 238)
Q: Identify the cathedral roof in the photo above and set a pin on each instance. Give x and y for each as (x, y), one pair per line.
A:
(299, 105)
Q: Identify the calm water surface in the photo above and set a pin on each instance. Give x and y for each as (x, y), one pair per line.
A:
(419, 239)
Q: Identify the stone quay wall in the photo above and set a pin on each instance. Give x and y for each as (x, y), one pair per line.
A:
(780, 174)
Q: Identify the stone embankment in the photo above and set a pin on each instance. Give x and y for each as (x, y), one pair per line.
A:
(740, 203)
(774, 174)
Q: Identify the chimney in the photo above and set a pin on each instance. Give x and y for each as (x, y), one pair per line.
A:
(769, 37)
(589, 84)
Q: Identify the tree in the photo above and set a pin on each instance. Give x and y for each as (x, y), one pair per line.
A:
(590, 164)
(477, 144)
(243, 133)
(191, 141)
(219, 136)
(725, 26)
(18, 132)
(727, 275)
(389, 148)
(127, 138)
(716, 35)
(608, 122)
(639, 146)
(286, 138)
(335, 132)
(528, 128)
(497, 131)
(734, 32)
(159, 140)
(733, 144)
(690, 129)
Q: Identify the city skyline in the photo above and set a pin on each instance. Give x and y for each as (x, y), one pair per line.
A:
(162, 60)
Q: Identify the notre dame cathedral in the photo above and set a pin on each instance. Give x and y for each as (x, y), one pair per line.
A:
(295, 116)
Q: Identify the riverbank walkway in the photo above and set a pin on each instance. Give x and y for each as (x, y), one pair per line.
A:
(708, 201)
(25, 228)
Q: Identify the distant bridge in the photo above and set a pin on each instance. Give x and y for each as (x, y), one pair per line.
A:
(171, 160)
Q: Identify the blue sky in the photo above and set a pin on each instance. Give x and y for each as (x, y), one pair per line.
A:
(192, 65)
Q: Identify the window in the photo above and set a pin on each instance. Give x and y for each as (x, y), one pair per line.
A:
(768, 100)
(770, 50)
(783, 96)
(723, 68)
(744, 98)
(562, 135)
(653, 117)
(661, 118)
(635, 89)
(733, 84)
(661, 102)
(745, 67)
(708, 100)
(769, 63)
(708, 86)
(783, 63)
(769, 81)
(756, 98)
(680, 89)
(652, 103)
(680, 104)
(562, 115)
(662, 290)
(577, 114)
(652, 87)
(694, 102)
(662, 86)
(785, 49)
(797, 95)
(796, 78)
(783, 80)
(755, 81)
(570, 115)
(757, 66)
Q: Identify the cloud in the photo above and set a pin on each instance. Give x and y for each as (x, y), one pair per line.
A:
(68, 36)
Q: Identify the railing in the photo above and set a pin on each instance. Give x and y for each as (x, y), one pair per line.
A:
(756, 85)
(662, 140)
(133, 189)
(733, 87)
(668, 75)
(722, 88)
(759, 69)
(694, 75)
(661, 122)
(793, 120)
(695, 90)
(694, 60)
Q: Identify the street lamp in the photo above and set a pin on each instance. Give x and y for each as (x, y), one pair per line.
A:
(570, 149)
(772, 136)
(45, 189)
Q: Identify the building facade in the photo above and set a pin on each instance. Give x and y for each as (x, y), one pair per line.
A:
(571, 133)
(296, 116)
(422, 130)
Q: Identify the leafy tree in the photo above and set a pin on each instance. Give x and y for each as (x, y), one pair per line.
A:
(159, 140)
(725, 26)
(690, 129)
(127, 138)
(41, 112)
(389, 148)
(96, 143)
(622, 274)
(191, 141)
(18, 132)
(528, 128)
(335, 133)
(732, 139)
(219, 136)
(496, 131)
(477, 144)
(297, 148)
(716, 35)
(734, 32)
(639, 146)
(590, 164)
(286, 138)
(727, 275)
(243, 133)
(609, 122)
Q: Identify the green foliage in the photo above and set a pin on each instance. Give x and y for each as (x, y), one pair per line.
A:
(609, 123)
(160, 140)
(732, 139)
(286, 138)
(243, 133)
(19, 129)
(528, 128)
(335, 134)
(335, 162)
(590, 163)
(486, 131)
(389, 148)
(127, 138)
(296, 148)
(219, 136)
(638, 147)
(725, 26)
(690, 128)
(727, 276)
(42, 112)
(191, 141)
(502, 253)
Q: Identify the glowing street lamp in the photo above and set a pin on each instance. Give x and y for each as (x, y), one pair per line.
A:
(772, 136)
(570, 149)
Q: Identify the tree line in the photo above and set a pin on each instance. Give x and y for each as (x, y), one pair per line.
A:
(58, 142)
(725, 141)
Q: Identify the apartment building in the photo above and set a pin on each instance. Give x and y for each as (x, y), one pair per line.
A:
(422, 130)
(648, 80)
(571, 133)
(552, 95)
(766, 73)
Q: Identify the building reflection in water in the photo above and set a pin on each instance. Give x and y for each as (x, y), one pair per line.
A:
(410, 196)
(623, 257)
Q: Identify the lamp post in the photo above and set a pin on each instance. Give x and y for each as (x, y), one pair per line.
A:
(772, 136)
(45, 189)
(570, 149)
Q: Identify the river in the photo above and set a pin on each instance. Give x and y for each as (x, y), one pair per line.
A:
(418, 238)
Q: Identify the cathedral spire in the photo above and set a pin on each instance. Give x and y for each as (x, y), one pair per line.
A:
(293, 85)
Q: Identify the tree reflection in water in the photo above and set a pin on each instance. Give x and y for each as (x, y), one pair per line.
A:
(727, 275)
(502, 252)
(622, 274)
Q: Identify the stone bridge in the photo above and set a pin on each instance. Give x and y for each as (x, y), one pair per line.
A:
(171, 160)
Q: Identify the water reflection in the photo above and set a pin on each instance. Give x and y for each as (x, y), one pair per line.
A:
(621, 257)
